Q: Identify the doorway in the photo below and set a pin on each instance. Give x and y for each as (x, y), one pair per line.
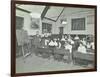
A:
(61, 30)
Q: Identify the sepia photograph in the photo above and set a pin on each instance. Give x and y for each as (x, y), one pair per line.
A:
(53, 38)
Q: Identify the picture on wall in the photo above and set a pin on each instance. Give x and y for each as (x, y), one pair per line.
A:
(35, 23)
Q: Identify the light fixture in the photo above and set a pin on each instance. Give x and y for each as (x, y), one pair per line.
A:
(35, 15)
(63, 21)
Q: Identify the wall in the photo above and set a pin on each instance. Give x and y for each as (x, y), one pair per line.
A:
(27, 22)
(67, 28)
(56, 25)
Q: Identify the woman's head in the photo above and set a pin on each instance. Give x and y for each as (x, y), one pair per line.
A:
(81, 44)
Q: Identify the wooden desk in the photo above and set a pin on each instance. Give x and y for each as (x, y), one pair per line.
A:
(62, 51)
(86, 56)
(43, 52)
(83, 58)
(62, 55)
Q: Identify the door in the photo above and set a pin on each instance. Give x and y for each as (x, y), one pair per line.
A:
(61, 30)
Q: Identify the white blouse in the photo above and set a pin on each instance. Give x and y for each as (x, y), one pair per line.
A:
(92, 45)
(55, 43)
(82, 49)
(76, 38)
(51, 43)
(63, 39)
(68, 47)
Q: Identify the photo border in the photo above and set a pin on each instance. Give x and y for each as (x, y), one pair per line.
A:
(13, 38)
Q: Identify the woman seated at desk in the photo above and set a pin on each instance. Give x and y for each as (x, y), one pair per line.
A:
(82, 48)
(68, 46)
(76, 42)
(53, 44)
(59, 43)
(70, 40)
(62, 41)
(92, 45)
(83, 41)
(66, 37)
(46, 42)
(76, 37)
(88, 45)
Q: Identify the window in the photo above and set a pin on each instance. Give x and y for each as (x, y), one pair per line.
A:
(78, 24)
(46, 27)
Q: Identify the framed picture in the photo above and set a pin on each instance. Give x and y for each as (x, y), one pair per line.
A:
(35, 23)
(52, 38)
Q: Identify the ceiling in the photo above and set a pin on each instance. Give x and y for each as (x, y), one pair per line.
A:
(32, 8)
(50, 12)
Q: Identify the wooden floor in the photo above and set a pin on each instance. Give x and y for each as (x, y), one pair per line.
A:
(35, 63)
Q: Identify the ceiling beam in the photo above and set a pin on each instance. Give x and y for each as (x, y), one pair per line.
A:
(42, 15)
(50, 19)
(44, 12)
(60, 14)
(23, 10)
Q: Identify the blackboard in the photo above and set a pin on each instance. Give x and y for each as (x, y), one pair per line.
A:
(22, 40)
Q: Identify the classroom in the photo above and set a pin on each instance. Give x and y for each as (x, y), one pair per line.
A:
(53, 38)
